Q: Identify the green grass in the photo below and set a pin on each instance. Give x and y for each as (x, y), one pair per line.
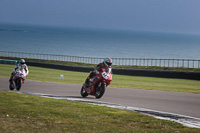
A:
(25, 113)
(53, 75)
(20, 113)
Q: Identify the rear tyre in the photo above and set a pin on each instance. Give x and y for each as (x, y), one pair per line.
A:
(83, 92)
(11, 86)
(100, 91)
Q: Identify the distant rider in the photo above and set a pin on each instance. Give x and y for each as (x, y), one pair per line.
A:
(105, 64)
(20, 66)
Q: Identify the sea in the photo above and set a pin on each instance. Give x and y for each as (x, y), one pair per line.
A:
(100, 43)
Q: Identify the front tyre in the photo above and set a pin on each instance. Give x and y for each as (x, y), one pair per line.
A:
(100, 91)
(18, 85)
(83, 92)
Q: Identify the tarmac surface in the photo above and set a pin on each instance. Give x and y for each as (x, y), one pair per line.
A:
(172, 102)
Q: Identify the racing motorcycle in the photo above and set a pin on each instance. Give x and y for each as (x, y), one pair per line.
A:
(17, 80)
(98, 84)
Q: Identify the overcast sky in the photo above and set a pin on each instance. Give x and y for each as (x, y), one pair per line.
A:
(145, 15)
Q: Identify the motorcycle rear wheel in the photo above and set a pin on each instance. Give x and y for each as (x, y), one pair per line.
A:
(100, 91)
(11, 86)
(83, 92)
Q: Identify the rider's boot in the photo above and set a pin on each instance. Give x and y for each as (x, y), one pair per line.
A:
(12, 74)
(87, 82)
(10, 80)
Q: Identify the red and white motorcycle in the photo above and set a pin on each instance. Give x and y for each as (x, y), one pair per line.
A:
(17, 80)
(97, 84)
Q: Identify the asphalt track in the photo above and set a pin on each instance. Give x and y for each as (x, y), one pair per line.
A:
(173, 102)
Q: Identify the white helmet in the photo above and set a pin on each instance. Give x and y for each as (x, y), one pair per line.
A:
(22, 61)
(107, 62)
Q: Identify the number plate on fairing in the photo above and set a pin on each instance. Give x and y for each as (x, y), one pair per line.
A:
(105, 75)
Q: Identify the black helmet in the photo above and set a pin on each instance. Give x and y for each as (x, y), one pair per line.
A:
(107, 62)
(22, 61)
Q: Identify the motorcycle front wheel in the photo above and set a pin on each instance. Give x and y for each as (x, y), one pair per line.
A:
(100, 91)
(18, 85)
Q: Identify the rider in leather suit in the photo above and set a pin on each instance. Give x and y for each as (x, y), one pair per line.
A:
(20, 66)
(105, 64)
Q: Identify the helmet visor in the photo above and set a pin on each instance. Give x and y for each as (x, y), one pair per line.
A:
(109, 64)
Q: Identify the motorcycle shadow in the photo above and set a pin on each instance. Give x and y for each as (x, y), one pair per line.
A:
(80, 97)
(68, 97)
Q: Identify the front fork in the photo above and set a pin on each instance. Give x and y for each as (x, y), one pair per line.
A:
(92, 89)
(13, 82)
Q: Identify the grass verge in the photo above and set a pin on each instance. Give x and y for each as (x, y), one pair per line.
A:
(21, 113)
(53, 75)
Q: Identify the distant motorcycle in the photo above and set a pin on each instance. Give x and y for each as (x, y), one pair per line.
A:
(17, 80)
(98, 84)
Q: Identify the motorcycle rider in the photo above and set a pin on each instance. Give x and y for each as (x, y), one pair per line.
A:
(20, 66)
(105, 64)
